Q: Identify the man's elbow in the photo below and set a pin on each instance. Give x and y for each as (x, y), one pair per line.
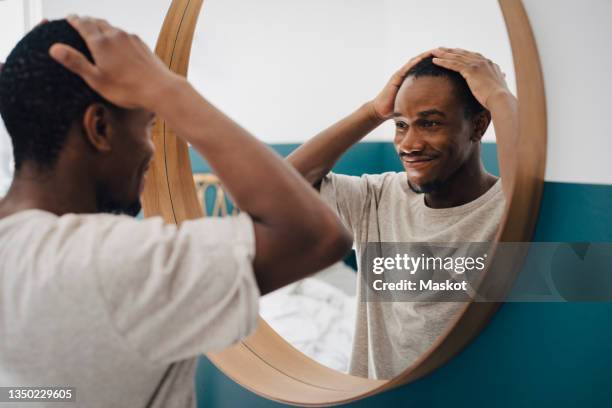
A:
(334, 241)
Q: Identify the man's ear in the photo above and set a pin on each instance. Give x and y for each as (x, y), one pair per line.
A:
(481, 122)
(97, 127)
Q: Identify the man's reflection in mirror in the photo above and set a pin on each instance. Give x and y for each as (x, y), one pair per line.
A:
(442, 102)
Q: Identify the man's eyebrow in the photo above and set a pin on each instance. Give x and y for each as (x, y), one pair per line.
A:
(423, 114)
(430, 112)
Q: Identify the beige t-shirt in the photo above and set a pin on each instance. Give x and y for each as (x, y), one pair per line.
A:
(120, 308)
(389, 336)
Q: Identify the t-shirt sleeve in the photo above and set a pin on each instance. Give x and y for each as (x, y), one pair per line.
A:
(347, 196)
(174, 293)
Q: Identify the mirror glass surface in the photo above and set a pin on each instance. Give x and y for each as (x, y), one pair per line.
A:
(287, 70)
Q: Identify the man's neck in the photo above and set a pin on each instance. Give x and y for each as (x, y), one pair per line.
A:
(59, 191)
(466, 185)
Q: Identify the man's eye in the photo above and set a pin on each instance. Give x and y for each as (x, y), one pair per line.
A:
(400, 125)
(430, 123)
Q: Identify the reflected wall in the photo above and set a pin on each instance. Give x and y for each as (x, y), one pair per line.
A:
(286, 70)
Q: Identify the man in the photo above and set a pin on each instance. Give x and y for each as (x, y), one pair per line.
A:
(115, 307)
(442, 102)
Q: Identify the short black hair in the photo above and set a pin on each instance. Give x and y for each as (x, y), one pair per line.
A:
(426, 67)
(39, 98)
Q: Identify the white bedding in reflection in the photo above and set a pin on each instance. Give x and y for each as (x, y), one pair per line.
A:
(316, 315)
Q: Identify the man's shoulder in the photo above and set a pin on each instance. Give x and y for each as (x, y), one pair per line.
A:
(390, 185)
(46, 222)
(385, 186)
(384, 180)
(385, 177)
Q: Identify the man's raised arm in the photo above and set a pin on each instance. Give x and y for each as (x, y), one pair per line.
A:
(296, 234)
(315, 158)
(487, 83)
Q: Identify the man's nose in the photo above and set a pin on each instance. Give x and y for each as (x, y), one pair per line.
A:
(411, 142)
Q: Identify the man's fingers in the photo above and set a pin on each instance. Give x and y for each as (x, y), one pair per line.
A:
(451, 64)
(499, 70)
(104, 26)
(461, 51)
(449, 55)
(85, 26)
(414, 61)
(74, 61)
(468, 57)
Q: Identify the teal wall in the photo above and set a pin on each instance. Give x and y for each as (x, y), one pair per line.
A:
(367, 157)
(531, 354)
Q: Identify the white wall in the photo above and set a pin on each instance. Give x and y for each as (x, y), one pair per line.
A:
(12, 23)
(143, 17)
(573, 38)
(287, 69)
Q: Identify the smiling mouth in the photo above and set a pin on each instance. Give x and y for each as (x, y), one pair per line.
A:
(416, 163)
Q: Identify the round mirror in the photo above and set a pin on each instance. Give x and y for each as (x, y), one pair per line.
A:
(288, 71)
(285, 89)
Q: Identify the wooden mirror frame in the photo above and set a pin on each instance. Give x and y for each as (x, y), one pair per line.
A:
(265, 363)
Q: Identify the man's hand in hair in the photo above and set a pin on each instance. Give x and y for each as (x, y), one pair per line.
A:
(384, 102)
(126, 72)
(488, 84)
(483, 76)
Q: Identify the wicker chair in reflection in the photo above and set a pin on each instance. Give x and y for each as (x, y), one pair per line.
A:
(212, 196)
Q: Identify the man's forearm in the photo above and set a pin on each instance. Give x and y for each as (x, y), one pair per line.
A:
(296, 232)
(315, 158)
